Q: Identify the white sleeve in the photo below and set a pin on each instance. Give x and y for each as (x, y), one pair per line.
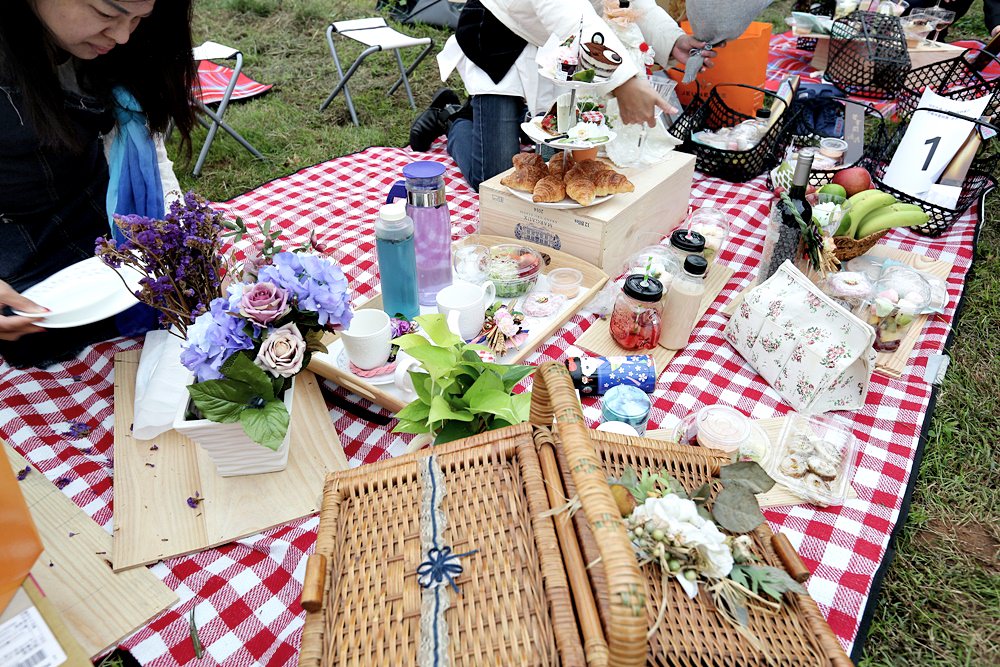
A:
(658, 29)
(171, 188)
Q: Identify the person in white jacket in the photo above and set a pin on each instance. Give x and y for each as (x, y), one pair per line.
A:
(494, 49)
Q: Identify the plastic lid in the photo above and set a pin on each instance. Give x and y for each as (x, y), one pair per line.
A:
(510, 261)
(722, 427)
(423, 169)
(763, 113)
(640, 288)
(696, 265)
(687, 241)
(393, 212)
(565, 276)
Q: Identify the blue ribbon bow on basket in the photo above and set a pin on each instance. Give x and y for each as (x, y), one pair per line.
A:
(441, 567)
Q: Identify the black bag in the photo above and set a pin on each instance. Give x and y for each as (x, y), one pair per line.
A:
(432, 12)
(818, 112)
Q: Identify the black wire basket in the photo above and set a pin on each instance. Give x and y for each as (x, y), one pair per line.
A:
(868, 55)
(957, 78)
(977, 183)
(876, 135)
(712, 114)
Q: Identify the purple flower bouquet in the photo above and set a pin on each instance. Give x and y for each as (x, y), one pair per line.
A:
(246, 348)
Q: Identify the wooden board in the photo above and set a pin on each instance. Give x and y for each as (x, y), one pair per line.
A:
(892, 364)
(152, 518)
(391, 398)
(99, 606)
(598, 340)
(778, 495)
(75, 655)
(920, 55)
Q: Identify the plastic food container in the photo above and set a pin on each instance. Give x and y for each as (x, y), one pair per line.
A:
(662, 263)
(513, 269)
(724, 428)
(565, 281)
(713, 225)
(814, 458)
(896, 300)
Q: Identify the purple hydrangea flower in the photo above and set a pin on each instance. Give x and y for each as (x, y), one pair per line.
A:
(314, 283)
(213, 338)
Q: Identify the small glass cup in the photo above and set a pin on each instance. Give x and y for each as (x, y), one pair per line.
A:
(471, 263)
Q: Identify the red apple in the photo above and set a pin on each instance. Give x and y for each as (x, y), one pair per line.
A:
(854, 180)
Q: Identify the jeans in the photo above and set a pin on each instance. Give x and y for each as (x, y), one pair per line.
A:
(483, 147)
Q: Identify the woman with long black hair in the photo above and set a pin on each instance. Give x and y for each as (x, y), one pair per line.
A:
(61, 62)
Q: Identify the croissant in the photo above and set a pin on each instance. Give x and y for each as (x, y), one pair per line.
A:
(549, 189)
(556, 165)
(581, 190)
(592, 167)
(523, 179)
(525, 160)
(611, 182)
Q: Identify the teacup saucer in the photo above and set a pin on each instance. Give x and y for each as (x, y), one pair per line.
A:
(337, 352)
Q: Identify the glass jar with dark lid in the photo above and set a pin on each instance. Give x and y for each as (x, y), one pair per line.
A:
(684, 242)
(638, 314)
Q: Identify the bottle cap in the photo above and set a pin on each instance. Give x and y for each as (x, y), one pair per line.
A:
(423, 169)
(687, 241)
(392, 212)
(696, 265)
(651, 292)
(763, 113)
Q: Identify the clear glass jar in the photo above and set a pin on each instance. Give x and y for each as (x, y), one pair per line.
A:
(684, 242)
(713, 225)
(637, 316)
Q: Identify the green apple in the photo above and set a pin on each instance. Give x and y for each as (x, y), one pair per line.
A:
(833, 189)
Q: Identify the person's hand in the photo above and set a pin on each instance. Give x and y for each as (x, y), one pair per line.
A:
(683, 47)
(637, 102)
(995, 32)
(15, 326)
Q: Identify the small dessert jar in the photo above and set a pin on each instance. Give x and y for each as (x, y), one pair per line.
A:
(565, 281)
(713, 225)
(658, 261)
(637, 316)
(684, 242)
(627, 404)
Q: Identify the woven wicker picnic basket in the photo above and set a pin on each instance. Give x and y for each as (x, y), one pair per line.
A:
(542, 588)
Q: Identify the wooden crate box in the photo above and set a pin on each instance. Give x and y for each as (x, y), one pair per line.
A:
(604, 234)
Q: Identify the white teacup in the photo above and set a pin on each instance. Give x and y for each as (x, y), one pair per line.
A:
(368, 340)
(402, 378)
(469, 302)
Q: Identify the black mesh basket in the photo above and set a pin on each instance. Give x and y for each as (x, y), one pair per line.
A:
(876, 135)
(868, 55)
(977, 183)
(956, 78)
(712, 114)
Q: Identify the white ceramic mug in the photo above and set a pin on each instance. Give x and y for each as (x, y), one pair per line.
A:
(469, 302)
(402, 378)
(368, 340)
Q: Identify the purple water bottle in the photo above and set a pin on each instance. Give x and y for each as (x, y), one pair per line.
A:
(427, 206)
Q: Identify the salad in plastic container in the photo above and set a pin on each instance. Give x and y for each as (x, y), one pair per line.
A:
(514, 269)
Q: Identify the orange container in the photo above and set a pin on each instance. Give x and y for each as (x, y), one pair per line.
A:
(742, 60)
(20, 545)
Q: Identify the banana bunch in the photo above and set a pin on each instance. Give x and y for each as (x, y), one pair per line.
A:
(872, 211)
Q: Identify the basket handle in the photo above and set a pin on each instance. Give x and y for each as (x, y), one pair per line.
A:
(553, 397)
(977, 121)
(981, 61)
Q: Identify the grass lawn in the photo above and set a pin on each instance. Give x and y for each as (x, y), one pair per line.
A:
(940, 600)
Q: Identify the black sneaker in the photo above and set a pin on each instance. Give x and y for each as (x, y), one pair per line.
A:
(433, 122)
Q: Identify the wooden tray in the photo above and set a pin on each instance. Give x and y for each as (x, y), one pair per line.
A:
(152, 517)
(99, 606)
(892, 364)
(598, 340)
(388, 396)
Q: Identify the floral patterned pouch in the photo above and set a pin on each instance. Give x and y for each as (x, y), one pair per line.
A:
(817, 355)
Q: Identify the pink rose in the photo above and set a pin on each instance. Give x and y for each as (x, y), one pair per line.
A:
(282, 351)
(263, 303)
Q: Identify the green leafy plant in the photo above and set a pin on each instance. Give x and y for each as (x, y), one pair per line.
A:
(459, 395)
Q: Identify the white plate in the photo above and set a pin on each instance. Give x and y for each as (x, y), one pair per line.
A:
(337, 352)
(85, 292)
(564, 204)
(579, 85)
(534, 130)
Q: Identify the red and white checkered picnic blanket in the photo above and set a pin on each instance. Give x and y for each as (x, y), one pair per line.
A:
(213, 79)
(246, 594)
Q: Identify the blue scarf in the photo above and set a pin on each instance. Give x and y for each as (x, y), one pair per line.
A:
(134, 187)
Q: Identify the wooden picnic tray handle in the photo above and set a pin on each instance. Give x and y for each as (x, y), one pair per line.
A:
(553, 397)
(314, 583)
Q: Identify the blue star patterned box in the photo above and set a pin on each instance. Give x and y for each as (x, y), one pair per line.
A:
(593, 376)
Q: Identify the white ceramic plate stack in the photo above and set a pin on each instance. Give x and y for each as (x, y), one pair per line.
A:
(83, 293)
